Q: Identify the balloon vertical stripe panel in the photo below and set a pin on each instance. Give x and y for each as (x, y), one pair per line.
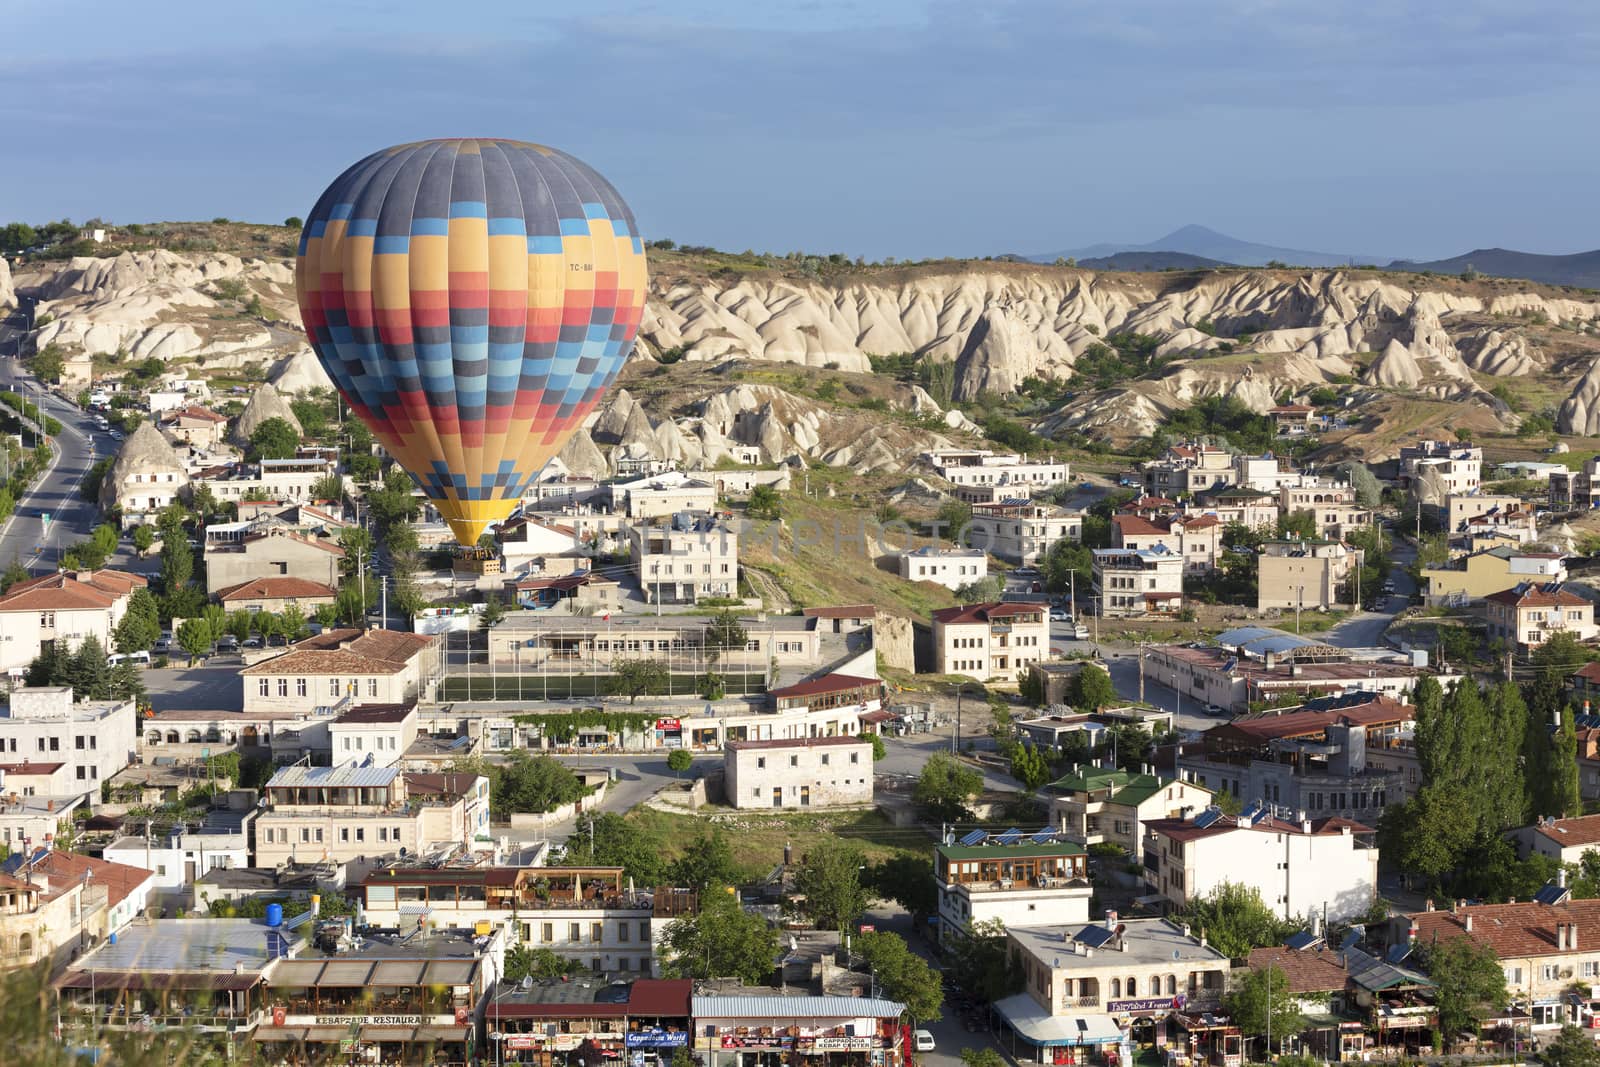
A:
(472, 300)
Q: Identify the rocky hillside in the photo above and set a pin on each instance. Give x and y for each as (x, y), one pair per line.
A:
(977, 328)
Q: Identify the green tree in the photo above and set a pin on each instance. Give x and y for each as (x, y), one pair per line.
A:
(350, 605)
(15, 573)
(953, 517)
(1030, 767)
(908, 881)
(982, 591)
(680, 760)
(1564, 799)
(765, 503)
(494, 609)
(982, 1057)
(1067, 566)
(610, 840)
(1369, 492)
(1469, 985)
(707, 864)
(945, 787)
(1427, 835)
(1236, 920)
(523, 961)
(292, 623)
(330, 487)
(721, 940)
(239, 625)
(1571, 1048)
(723, 632)
(1260, 1005)
(879, 749)
(356, 543)
(1091, 688)
(985, 963)
(144, 539)
(635, 678)
(293, 222)
(276, 438)
(830, 882)
(525, 783)
(140, 626)
(1301, 524)
(903, 975)
(194, 637)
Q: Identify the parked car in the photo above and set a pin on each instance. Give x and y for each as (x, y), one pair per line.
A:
(252, 642)
(228, 643)
(1080, 632)
(1212, 709)
(924, 1041)
(1060, 615)
(162, 646)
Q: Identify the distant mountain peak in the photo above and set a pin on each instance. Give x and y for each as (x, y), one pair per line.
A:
(1194, 239)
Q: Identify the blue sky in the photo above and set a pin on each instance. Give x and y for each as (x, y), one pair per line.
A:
(1419, 128)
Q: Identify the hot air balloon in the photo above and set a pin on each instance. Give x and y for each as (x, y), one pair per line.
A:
(472, 300)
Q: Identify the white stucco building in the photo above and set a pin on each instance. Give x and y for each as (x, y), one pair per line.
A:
(949, 567)
(66, 607)
(810, 772)
(96, 739)
(993, 641)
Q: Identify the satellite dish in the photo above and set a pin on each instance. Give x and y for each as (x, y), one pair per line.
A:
(527, 981)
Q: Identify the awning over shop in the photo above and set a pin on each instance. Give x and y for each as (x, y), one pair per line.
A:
(1039, 1028)
(308, 1034)
(443, 1033)
(388, 1033)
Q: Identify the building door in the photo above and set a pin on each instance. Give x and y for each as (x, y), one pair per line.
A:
(777, 796)
(805, 796)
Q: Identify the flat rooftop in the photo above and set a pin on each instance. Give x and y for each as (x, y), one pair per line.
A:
(215, 945)
(1139, 941)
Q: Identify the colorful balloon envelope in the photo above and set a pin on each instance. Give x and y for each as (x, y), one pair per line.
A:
(472, 300)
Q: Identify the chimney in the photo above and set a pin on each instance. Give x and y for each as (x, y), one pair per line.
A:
(1411, 933)
(1202, 937)
(1561, 937)
(1428, 904)
(1572, 936)
(1305, 826)
(1467, 923)
(1111, 920)
(1561, 877)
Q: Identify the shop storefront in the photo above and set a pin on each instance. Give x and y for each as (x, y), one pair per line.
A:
(776, 1031)
(569, 1024)
(1035, 1036)
(1207, 1039)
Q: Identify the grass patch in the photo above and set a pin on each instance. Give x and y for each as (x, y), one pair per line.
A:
(759, 837)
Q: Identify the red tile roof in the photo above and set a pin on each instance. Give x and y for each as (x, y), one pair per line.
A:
(1201, 522)
(1186, 830)
(275, 589)
(1128, 525)
(1514, 931)
(660, 996)
(81, 590)
(31, 768)
(1307, 971)
(1589, 672)
(1309, 723)
(970, 613)
(830, 683)
(67, 868)
(1551, 595)
(322, 662)
(391, 645)
(194, 411)
(1292, 409)
(438, 785)
(1583, 830)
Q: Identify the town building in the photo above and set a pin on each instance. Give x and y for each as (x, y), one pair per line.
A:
(1468, 579)
(1188, 468)
(1348, 757)
(1021, 531)
(66, 607)
(981, 467)
(292, 480)
(38, 819)
(1197, 539)
(347, 813)
(589, 915)
(1133, 582)
(1295, 420)
(1265, 473)
(832, 1031)
(94, 738)
(949, 567)
(1460, 507)
(272, 553)
(1108, 806)
(1308, 575)
(1258, 665)
(182, 856)
(1517, 525)
(645, 1021)
(1098, 985)
(691, 557)
(803, 773)
(337, 669)
(147, 476)
(1450, 467)
(374, 734)
(55, 905)
(1312, 494)
(1575, 490)
(1303, 868)
(323, 519)
(384, 1000)
(194, 426)
(528, 544)
(661, 496)
(274, 595)
(842, 618)
(1021, 879)
(1251, 508)
(1566, 840)
(581, 590)
(1527, 615)
(27, 778)
(1543, 945)
(990, 642)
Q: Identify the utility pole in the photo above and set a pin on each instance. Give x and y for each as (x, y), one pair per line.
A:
(1141, 670)
(1299, 603)
(384, 579)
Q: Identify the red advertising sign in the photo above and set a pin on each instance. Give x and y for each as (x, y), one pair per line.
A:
(519, 1041)
(670, 726)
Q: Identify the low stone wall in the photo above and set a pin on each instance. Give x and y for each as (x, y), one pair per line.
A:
(523, 820)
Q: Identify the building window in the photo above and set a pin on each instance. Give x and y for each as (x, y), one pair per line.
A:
(299, 687)
(283, 687)
(333, 687)
(547, 932)
(597, 932)
(372, 687)
(574, 932)
(644, 930)
(263, 687)
(622, 932)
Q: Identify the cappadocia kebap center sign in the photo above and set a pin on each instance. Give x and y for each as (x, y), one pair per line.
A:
(472, 299)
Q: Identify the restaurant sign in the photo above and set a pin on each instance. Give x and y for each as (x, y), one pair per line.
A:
(367, 1020)
(1145, 1004)
(519, 1041)
(757, 1041)
(656, 1038)
(840, 1044)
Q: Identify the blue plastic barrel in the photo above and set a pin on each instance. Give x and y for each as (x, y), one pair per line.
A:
(274, 914)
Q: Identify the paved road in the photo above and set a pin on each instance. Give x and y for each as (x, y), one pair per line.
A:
(24, 536)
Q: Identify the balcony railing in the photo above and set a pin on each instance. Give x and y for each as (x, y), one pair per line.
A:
(1004, 885)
